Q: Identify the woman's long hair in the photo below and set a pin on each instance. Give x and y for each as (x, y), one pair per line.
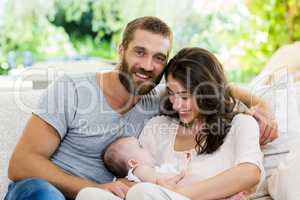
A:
(200, 72)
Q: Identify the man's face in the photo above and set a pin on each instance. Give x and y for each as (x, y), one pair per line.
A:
(143, 62)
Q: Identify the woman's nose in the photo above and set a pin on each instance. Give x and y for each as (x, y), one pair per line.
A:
(176, 104)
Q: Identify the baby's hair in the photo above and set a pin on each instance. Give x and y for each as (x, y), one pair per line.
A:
(111, 157)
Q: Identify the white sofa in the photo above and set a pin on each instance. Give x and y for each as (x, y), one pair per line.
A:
(16, 109)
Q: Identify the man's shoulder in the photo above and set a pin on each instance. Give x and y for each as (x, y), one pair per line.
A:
(151, 100)
(82, 84)
(75, 80)
(79, 78)
(155, 94)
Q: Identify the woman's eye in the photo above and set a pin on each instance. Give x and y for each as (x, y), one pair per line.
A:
(185, 97)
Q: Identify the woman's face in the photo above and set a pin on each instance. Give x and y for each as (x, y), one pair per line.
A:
(182, 101)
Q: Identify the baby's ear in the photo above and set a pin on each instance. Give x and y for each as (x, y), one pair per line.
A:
(132, 163)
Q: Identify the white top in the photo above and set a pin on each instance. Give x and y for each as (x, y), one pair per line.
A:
(240, 145)
(165, 168)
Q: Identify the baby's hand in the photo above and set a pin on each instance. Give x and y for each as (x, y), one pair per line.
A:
(238, 196)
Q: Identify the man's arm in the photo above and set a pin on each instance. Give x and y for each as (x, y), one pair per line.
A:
(31, 158)
(248, 98)
(259, 109)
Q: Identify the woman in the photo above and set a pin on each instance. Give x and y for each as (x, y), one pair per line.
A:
(200, 124)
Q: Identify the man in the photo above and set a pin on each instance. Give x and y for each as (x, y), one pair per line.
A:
(59, 152)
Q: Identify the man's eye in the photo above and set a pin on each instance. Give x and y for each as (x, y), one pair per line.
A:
(139, 53)
(161, 59)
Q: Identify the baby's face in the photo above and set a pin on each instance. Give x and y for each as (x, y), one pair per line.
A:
(137, 152)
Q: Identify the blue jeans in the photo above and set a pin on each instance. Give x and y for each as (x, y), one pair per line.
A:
(33, 189)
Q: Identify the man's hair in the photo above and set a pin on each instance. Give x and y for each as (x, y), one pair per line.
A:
(114, 159)
(147, 23)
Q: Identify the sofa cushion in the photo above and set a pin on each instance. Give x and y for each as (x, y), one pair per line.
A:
(16, 108)
(282, 96)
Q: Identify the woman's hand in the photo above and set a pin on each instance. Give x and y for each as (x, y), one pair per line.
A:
(171, 183)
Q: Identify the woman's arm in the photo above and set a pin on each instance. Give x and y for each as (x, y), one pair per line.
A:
(227, 183)
(245, 171)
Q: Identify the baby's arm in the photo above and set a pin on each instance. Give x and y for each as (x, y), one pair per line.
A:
(149, 174)
(145, 173)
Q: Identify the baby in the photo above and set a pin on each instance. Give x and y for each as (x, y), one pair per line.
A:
(126, 158)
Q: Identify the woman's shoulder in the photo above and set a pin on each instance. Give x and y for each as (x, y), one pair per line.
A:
(159, 128)
(243, 123)
(242, 118)
(161, 120)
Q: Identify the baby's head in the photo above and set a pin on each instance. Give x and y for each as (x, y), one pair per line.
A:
(125, 153)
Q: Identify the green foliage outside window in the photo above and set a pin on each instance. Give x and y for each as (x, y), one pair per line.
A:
(271, 24)
(248, 34)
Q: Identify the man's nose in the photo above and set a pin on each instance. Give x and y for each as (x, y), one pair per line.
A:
(148, 64)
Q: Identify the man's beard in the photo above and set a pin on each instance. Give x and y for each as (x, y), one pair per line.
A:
(126, 79)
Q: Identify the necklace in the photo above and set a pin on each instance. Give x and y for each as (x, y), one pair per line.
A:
(186, 125)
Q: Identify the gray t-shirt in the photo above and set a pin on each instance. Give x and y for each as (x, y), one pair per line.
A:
(86, 124)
